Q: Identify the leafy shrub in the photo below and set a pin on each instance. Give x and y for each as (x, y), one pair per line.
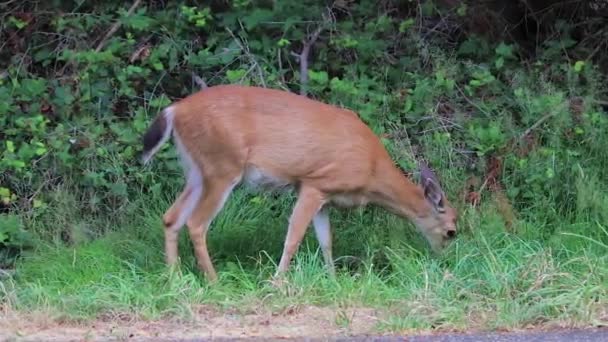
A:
(72, 114)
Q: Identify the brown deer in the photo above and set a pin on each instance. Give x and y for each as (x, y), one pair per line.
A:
(268, 138)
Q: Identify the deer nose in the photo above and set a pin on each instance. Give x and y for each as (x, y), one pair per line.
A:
(451, 233)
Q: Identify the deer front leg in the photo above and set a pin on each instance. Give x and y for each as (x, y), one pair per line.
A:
(323, 231)
(310, 200)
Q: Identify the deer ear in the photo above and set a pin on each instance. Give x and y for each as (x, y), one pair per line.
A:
(432, 190)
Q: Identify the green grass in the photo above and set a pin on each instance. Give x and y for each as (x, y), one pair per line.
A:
(470, 110)
(487, 278)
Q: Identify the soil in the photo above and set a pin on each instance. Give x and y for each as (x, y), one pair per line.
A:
(309, 322)
(301, 323)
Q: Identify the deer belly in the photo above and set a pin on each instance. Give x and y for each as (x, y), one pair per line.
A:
(258, 179)
(349, 200)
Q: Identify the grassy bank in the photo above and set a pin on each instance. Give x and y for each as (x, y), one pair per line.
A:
(489, 278)
(515, 130)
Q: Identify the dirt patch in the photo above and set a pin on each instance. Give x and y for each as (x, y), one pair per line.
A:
(310, 322)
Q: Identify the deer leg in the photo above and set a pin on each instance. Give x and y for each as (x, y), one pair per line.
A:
(176, 215)
(212, 202)
(323, 231)
(310, 200)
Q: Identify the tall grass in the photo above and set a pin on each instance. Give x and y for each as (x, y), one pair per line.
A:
(487, 278)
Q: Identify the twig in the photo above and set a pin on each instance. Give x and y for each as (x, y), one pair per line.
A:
(115, 27)
(596, 50)
(142, 50)
(6, 273)
(7, 2)
(251, 57)
(281, 74)
(464, 96)
(602, 102)
(105, 38)
(46, 182)
(199, 81)
(537, 123)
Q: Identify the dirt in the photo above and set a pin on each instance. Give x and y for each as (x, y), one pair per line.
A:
(305, 322)
(309, 322)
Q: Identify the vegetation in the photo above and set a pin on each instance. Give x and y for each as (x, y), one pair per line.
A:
(513, 119)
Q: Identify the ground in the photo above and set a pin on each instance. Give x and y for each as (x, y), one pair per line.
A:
(293, 323)
(310, 322)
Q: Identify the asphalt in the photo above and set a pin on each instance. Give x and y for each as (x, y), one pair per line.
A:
(595, 335)
(583, 335)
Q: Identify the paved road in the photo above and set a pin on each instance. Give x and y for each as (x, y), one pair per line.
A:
(595, 335)
(587, 335)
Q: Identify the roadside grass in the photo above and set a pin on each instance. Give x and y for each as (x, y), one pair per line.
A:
(487, 279)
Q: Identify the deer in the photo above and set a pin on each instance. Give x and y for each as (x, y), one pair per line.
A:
(269, 139)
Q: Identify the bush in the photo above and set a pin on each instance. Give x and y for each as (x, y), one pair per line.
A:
(498, 125)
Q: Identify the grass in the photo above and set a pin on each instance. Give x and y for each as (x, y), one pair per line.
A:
(487, 279)
(458, 110)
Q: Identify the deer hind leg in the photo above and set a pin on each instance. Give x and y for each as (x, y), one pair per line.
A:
(323, 232)
(216, 193)
(310, 200)
(175, 217)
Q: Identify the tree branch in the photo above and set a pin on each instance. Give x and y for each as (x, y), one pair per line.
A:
(306, 47)
(303, 59)
(115, 27)
(199, 81)
(537, 124)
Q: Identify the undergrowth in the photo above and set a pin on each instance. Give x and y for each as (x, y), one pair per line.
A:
(487, 279)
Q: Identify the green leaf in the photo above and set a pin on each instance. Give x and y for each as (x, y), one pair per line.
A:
(409, 104)
(64, 96)
(17, 22)
(33, 87)
(255, 17)
(138, 21)
(504, 50)
(500, 61)
(119, 189)
(43, 55)
(406, 24)
(462, 10)
(18, 164)
(5, 192)
(158, 66)
(160, 101)
(10, 146)
(235, 75)
(319, 77)
(578, 66)
(40, 150)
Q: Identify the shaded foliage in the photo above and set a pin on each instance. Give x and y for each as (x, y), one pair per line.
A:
(503, 98)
